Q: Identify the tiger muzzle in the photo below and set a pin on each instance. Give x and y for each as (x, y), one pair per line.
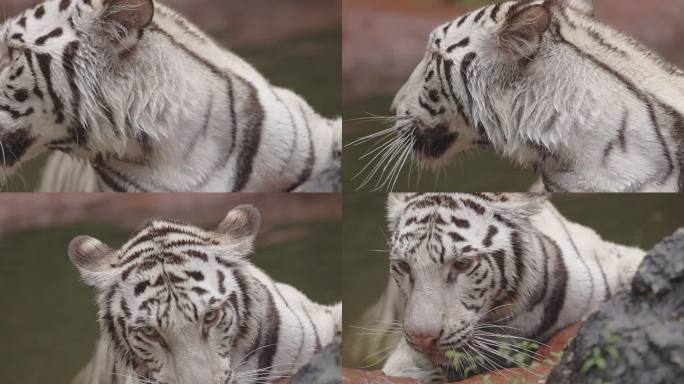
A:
(434, 142)
(13, 146)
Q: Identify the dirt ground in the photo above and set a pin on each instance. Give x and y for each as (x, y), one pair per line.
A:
(549, 355)
(384, 39)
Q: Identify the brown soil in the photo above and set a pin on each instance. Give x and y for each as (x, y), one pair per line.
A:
(555, 345)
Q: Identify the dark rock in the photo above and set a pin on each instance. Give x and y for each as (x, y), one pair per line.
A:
(638, 336)
(324, 368)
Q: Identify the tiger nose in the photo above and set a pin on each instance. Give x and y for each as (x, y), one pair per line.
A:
(424, 341)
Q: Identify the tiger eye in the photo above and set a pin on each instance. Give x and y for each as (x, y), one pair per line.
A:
(211, 316)
(149, 332)
(462, 264)
(404, 267)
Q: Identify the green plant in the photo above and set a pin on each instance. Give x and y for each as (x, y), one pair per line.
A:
(520, 353)
(467, 364)
(598, 358)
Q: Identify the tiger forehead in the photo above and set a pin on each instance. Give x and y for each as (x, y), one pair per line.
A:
(46, 21)
(164, 231)
(422, 204)
(485, 16)
(160, 237)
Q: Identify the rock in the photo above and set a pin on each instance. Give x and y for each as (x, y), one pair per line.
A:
(324, 368)
(637, 336)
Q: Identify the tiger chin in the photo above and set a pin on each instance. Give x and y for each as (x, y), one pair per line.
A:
(179, 305)
(149, 103)
(478, 273)
(546, 85)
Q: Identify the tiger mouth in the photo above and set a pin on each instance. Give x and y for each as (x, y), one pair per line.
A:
(14, 146)
(433, 143)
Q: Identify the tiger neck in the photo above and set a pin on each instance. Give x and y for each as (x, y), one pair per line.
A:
(576, 135)
(579, 126)
(217, 130)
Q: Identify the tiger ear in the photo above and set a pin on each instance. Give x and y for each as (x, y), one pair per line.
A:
(127, 18)
(521, 34)
(241, 225)
(522, 205)
(585, 7)
(396, 202)
(92, 258)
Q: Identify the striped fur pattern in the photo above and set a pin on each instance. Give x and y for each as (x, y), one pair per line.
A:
(178, 304)
(477, 270)
(150, 103)
(544, 83)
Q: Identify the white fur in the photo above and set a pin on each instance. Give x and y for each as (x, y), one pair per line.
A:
(161, 91)
(533, 215)
(190, 353)
(588, 102)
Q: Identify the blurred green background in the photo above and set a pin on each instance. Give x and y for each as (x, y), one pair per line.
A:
(309, 64)
(636, 220)
(48, 325)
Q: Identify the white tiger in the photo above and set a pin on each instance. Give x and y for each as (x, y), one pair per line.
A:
(477, 271)
(544, 83)
(138, 99)
(178, 304)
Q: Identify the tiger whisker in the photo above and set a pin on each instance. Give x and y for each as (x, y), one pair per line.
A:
(4, 180)
(407, 153)
(408, 145)
(483, 333)
(390, 165)
(385, 146)
(387, 154)
(512, 347)
(495, 308)
(379, 147)
(505, 357)
(399, 151)
(384, 352)
(372, 136)
(496, 367)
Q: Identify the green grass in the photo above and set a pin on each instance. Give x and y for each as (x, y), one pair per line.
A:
(48, 328)
(309, 64)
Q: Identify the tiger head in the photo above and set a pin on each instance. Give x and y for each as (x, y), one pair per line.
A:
(458, 260)
(51, 56)
(171, 299)
(449, 104)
